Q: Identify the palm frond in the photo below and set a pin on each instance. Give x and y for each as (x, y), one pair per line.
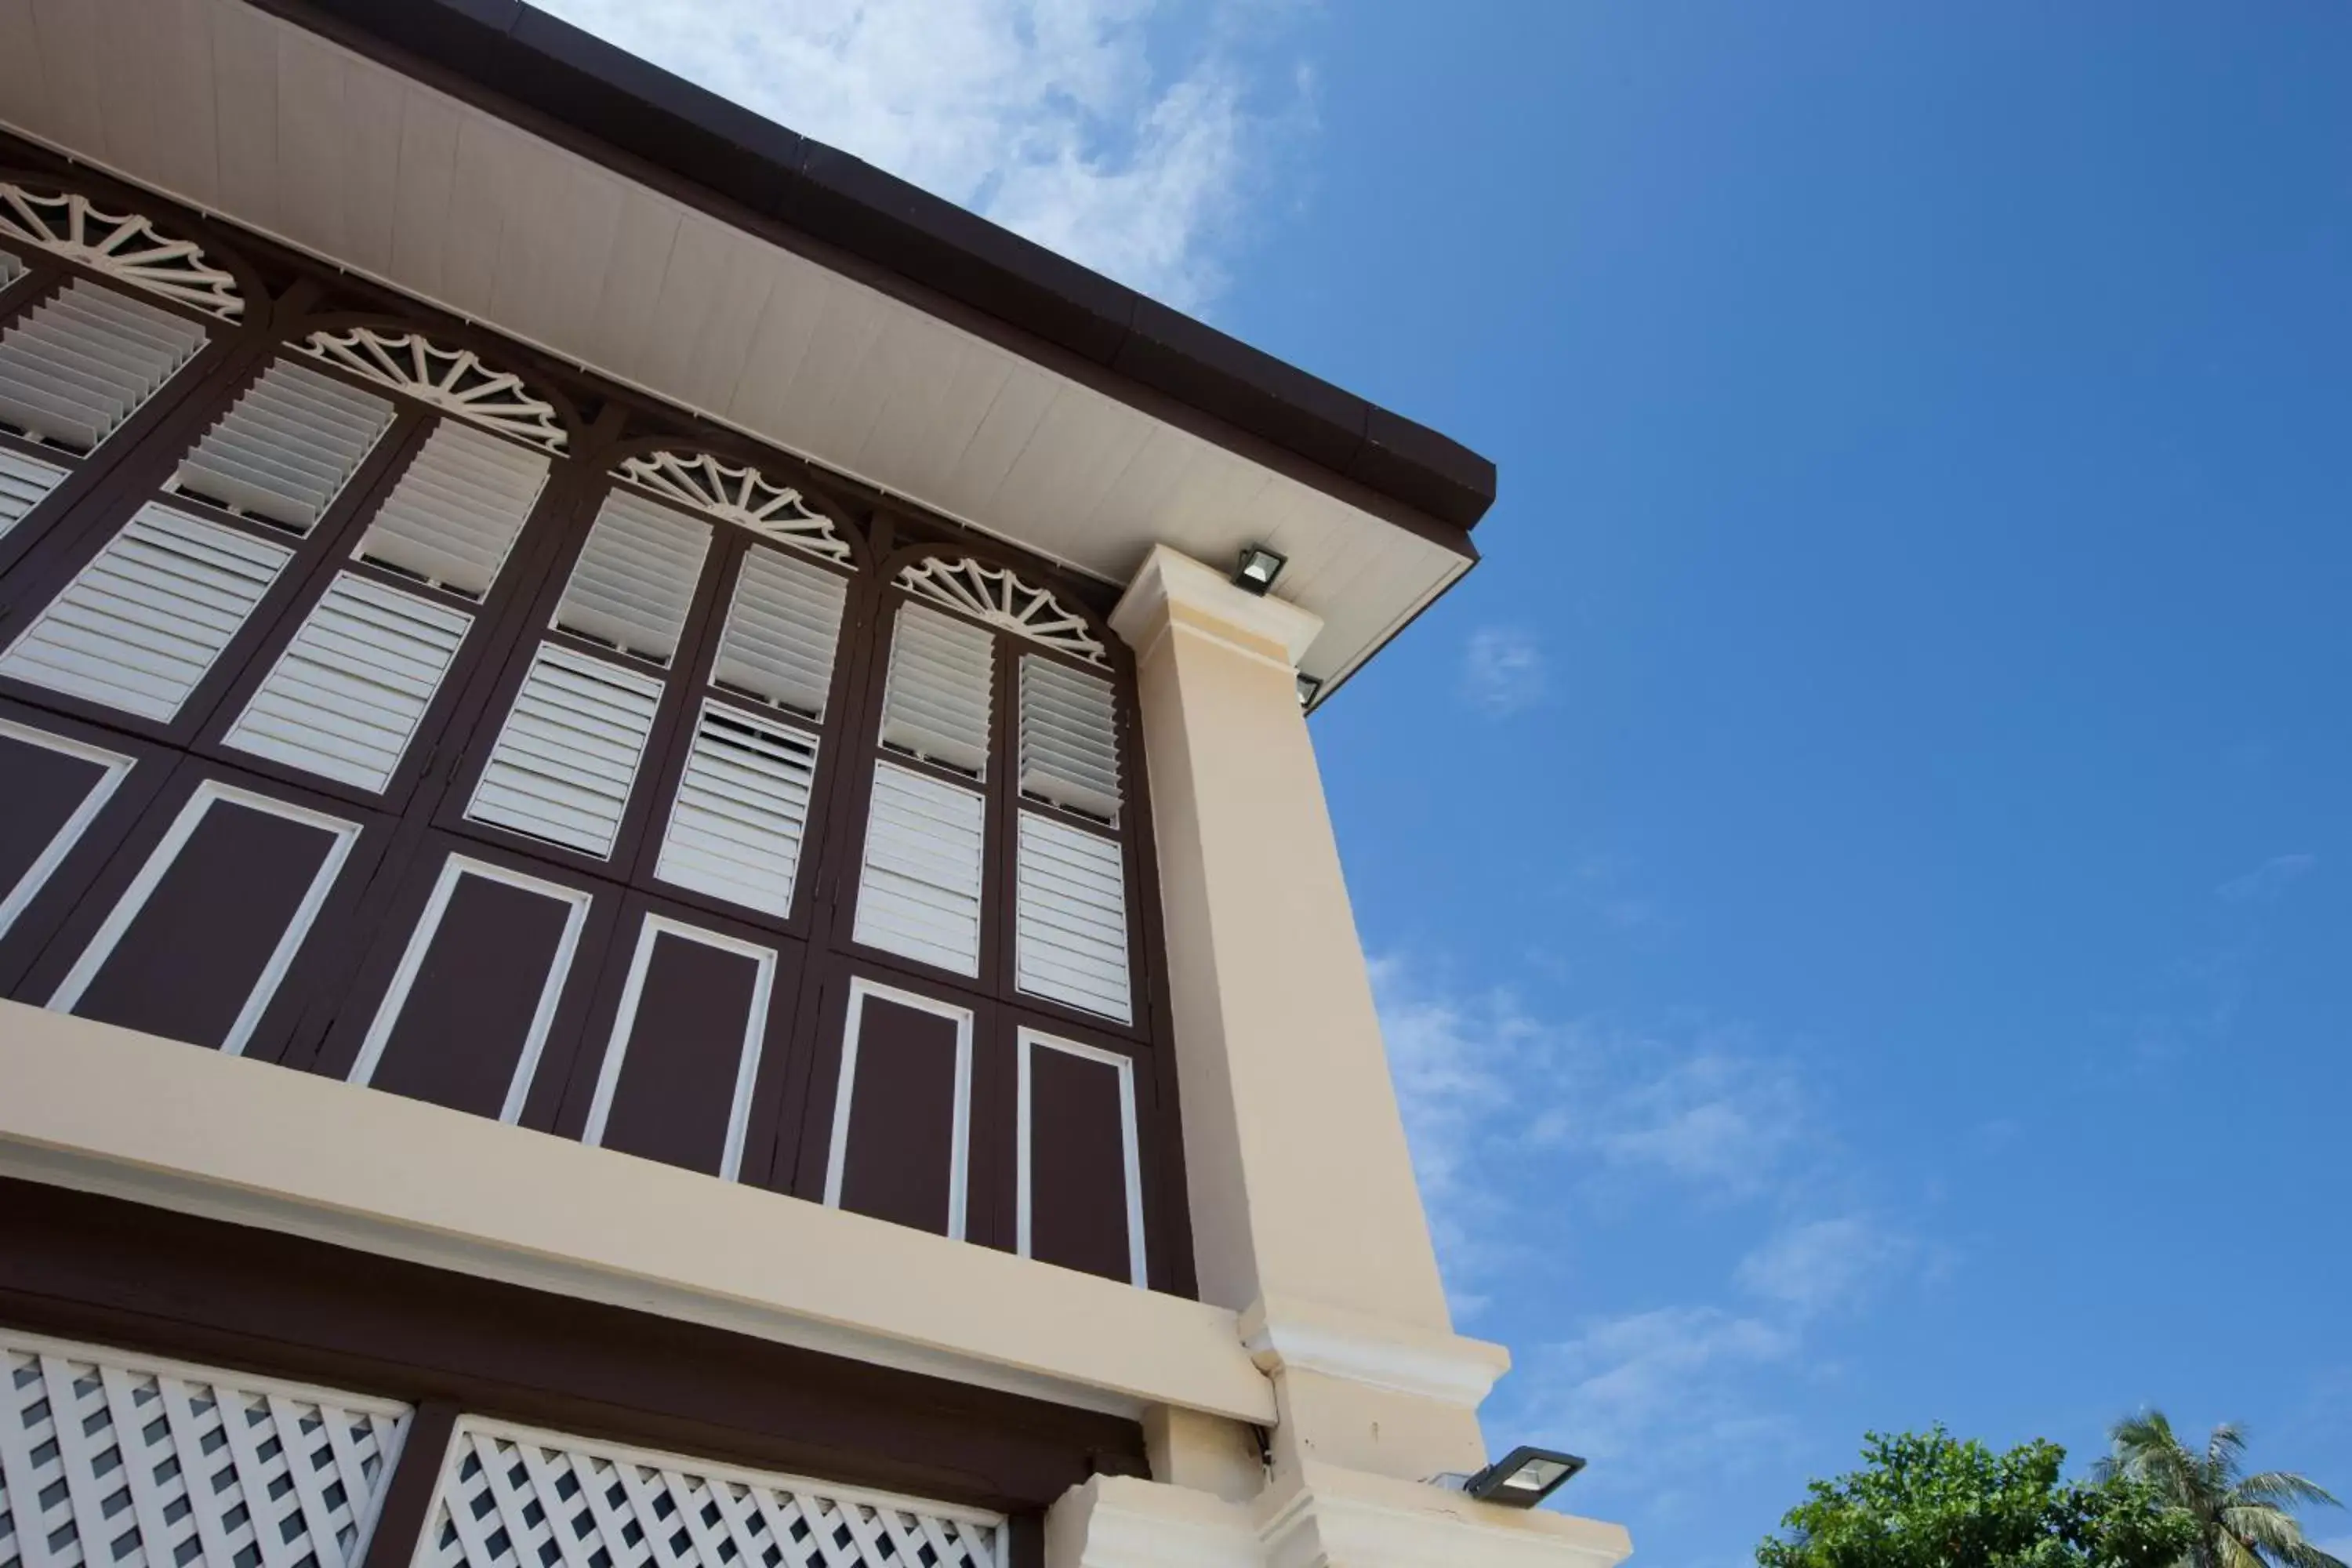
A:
(2284, 1487)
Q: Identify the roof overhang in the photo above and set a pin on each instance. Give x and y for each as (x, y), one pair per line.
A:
(512, 170)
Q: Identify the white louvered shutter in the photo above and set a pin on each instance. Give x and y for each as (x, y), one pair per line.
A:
(918, 890)
(1069, 739)
(743, 809)
(286, 448)
(455, 511)
(1070, 918)
(25, 483)
(937, 706)
(80, 364)
(634, 579)
(346, 696)
(782, 630)
(141, 625)
(565, 763)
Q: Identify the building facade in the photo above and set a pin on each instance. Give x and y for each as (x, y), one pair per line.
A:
(659, 900)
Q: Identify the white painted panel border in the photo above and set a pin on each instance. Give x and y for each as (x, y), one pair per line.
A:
(1031, 1040)
(747, 1063)
(211, 793)
(60, 845)
(959, 1149)
(420, 941)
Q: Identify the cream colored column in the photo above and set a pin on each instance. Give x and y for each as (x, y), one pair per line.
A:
(1304, 1213)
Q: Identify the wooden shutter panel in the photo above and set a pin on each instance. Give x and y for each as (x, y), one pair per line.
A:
(901, 1113)
(741, 811)
(286, 448)
(54, 788)
(1081, 1189)
(1070, 918)
(347, 694)
(455, 513)
(78, 366)
(565, 763)
(782, 630)
(937, 706)
(918, 890)
(635, 576)
(140, 625)
(678, 1089)
(1069, 744)
(25, 483)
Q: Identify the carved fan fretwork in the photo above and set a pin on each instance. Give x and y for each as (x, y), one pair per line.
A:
(454, 379)
(997, 595)
(120, 245)
(743, 495)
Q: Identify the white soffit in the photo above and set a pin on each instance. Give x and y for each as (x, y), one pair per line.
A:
(249, 117)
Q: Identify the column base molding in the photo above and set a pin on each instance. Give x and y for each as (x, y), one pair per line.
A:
(1323, 1517)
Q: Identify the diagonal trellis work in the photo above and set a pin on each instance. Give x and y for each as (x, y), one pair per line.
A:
(110, 1460)
(511, 1498)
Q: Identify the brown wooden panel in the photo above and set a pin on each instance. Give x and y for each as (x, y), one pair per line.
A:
(43, 788)
(898, 1162)
(683, 1054)
(1077, 1162)
(467, 1017)
(204, 935)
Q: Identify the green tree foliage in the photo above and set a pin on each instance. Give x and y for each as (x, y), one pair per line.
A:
(2242, 1520)
(1929, 1500)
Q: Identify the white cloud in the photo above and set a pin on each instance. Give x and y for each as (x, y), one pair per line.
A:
(1824, 1265)
(2267, 880)
(1070, 122)
(1503, 671)
(1654, 1392)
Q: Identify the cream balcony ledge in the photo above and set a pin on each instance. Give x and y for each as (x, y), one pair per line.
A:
(110, 1111)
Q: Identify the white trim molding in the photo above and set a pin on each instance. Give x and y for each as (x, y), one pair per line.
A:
(1284, 1335)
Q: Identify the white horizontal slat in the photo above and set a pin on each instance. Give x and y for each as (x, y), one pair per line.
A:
(1070, 918)
(1070, 742)
(918, 890)
(79, 363)
(287, 447)
(743, 809)
(567, 757)
(635, 576)
(346, 696)
(24, 482)
(455, 513)
(942, 673)
(781, 631)
(140, 625)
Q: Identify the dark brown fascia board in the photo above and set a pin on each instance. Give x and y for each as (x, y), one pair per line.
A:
(515, 52)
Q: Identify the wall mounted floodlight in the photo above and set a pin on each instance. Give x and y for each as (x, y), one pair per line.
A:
(1257, 569)
(1523, 1478)
(1308, 689)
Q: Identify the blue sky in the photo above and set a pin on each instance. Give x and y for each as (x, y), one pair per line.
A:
(1861, 882)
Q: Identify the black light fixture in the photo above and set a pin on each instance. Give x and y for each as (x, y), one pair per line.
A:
(1257, 569)
(1308, 689)
(1523, 1478)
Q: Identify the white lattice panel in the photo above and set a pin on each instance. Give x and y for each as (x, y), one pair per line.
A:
(110, 1460)
(510, 1497)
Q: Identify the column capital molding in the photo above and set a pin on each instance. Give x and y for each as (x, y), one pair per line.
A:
(1170, 588)
(1283, 1335)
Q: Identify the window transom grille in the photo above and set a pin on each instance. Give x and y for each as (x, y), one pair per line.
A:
(743, 495)
(998, 596)
(120, 245)
(454, 379)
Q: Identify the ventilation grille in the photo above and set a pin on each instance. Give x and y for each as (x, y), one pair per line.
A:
(781, 631)
(1070, 745)
(455, 513)
(918, 894)
(74, 368)
(942, 672)
(563, 766)
(510, 1497)
(114, 1460)
(286, 448)
(347, 694)
(1070, 933)
(144, 622)
(742, 808)
(24, 482)
(635, 577)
